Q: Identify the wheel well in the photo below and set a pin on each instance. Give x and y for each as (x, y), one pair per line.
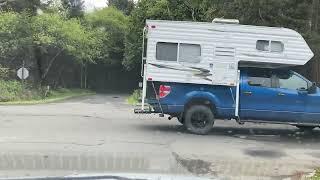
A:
(201, 101)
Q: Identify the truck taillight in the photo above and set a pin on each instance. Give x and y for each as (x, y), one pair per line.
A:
(164, 91)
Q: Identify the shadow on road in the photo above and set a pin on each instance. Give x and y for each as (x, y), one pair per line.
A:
(248, 133)
(100, 99)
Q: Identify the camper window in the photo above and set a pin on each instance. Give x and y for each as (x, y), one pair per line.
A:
(190, 53)
(167, 51)
(277, 46)
(262, 45)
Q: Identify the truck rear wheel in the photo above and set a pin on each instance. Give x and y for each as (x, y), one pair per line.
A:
(306, 128)
(199, 119)
(180, 120)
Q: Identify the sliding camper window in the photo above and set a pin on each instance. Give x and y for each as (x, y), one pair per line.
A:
(263, 45)
(190, 53)
(270, 46)
(167, 51)
(277, 46)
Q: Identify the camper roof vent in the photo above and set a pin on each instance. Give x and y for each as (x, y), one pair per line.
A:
(226, 21)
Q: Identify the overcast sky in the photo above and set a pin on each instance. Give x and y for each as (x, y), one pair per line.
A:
(92, 4)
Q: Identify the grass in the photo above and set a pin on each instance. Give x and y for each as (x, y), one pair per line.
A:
(316, 176)
(135, 97)
(13, 93)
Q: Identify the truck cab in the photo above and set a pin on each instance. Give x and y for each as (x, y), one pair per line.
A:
(266, 96)
(278, 96)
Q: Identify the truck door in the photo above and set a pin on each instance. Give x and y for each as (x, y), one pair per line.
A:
(257, 95)
(292, 94)
(312, 113)
(296, 103)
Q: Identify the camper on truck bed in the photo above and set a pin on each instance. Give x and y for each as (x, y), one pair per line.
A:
(199, 72)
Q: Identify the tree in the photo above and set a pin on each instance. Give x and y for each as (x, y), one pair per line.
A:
(40, 41)
(75, 8)
(145, 9)
(126, 6)
(15, 38)
(54, 36)
(20, 5)
(314, 16)
(111, 25)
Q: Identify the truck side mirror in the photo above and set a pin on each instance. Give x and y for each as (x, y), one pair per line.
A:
(313, 88)
(303, 91)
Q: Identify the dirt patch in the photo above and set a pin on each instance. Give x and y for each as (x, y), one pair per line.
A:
(195, 166)
(265, 153)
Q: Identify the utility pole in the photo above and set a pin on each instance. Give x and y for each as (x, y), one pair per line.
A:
(81, 76)
(85, 76)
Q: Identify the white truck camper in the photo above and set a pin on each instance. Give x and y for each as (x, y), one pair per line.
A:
(211, 53)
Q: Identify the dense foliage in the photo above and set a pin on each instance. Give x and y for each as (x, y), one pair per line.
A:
(126, 6)
(59, 41)
(110, 26)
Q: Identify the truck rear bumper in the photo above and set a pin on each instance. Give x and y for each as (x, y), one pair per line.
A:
(143, 111)
(155, 108)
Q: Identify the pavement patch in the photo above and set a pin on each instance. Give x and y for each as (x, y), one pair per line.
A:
(195, 166)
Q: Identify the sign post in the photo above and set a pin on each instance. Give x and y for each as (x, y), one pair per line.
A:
(23, 74)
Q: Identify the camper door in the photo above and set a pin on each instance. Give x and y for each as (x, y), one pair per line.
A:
(224, 66)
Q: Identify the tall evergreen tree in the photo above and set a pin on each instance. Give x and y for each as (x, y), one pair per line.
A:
(126, 6)
(75, 8)
(20, 5)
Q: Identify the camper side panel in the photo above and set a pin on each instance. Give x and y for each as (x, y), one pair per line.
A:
(189, 56)
(268, 46)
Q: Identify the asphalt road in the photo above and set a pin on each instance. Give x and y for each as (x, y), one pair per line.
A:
(100, 134)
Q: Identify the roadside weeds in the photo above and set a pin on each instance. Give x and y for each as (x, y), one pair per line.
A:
(134, 98)
(315, 175)
(54, 97)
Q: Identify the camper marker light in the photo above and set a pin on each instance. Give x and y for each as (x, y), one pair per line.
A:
(164, 91)
(153, 26)
(149, 79)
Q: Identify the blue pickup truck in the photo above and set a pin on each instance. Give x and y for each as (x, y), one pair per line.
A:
(266, 96)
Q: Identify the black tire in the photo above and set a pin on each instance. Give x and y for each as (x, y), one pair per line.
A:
(199, 119)
(306, 128)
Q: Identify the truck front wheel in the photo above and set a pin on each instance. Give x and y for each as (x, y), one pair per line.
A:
(199, 119)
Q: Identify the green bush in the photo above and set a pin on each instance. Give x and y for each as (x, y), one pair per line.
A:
(316, 176)
(14, 91)
(135, 97)
(10, 90)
